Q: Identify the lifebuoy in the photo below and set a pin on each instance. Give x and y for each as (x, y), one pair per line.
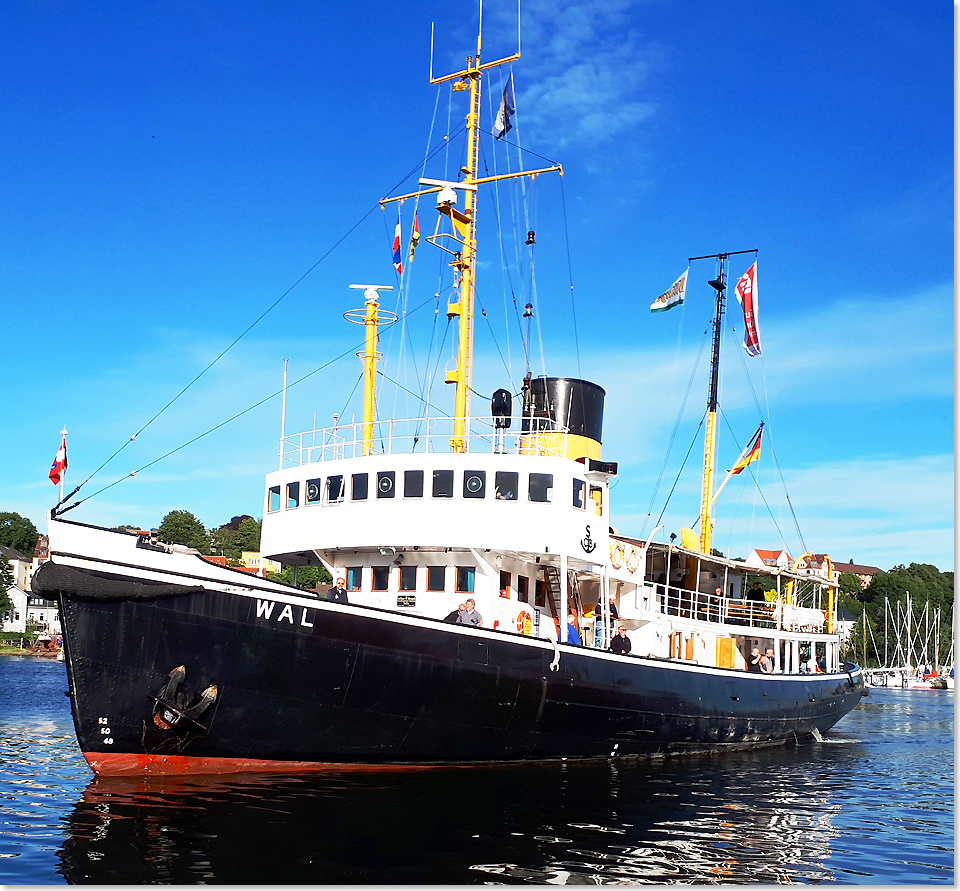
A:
(616, 554)
(524, 622)
(633, 559)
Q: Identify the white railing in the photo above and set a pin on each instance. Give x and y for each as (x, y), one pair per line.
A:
(427, 434)
(688, 604)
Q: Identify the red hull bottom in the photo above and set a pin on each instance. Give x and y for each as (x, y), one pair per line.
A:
(120, 764)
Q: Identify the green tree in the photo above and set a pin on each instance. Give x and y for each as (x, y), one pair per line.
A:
(307, 576)
(222, 542)
(248, 535)
(850, 585)
(6, 582)
(18, 533)
(182, 527)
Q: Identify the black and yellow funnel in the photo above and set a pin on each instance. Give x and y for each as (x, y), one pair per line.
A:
(562, 416)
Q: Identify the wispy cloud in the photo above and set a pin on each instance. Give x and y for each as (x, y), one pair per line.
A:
(571, 91)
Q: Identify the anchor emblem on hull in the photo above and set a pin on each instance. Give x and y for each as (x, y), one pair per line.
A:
(587, 543)
(172, 705)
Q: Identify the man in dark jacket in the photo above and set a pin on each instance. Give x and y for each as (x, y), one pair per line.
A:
(621, 643)
(338, 593)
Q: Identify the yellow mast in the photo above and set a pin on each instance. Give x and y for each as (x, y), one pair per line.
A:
(464, 223)
(370, 317)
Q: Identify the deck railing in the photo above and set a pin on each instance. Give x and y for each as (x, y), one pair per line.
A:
(425, 434)
(687, 604)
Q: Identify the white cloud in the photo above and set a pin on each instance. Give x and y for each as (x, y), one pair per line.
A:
(569, 89)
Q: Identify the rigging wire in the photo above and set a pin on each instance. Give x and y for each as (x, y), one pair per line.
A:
(573, 302)
(693, 442)
(213, 429)
(504, 272)
(402, 306)
(676, 429)
(769, 436)
(226, 350)
(236, 340)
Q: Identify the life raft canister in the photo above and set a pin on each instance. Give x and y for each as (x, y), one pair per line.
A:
(524, 622)
(616, 554)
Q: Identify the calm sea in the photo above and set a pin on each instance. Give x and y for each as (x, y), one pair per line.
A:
(871, 804)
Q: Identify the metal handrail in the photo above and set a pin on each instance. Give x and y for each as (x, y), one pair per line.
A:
(423, 434)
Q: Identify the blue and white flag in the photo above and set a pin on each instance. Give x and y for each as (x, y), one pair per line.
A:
(507, 108)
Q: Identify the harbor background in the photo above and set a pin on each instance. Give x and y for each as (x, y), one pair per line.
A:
(871, 804)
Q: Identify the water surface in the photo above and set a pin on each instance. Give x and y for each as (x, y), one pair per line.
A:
(871, 804)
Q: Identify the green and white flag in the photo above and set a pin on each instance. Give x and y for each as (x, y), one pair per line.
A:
(672, 297)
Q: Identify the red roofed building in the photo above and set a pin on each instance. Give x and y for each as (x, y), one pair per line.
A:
(769, 559)
(862, 572)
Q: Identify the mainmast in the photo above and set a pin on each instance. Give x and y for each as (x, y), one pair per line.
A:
(464, 225)
(465, 261)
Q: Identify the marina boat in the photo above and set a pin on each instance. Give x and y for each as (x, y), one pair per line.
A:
(482, 575)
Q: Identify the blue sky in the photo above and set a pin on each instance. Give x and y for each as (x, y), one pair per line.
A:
(171, 169)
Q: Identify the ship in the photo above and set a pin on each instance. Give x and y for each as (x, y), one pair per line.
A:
(485, 587)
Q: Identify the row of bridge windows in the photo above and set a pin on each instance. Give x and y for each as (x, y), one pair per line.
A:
(506, 487)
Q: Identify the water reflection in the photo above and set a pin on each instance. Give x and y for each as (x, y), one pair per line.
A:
(762, 817)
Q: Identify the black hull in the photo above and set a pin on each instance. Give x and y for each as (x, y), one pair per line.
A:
(309, 686)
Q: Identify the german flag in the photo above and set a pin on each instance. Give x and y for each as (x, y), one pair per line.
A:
(750, 453)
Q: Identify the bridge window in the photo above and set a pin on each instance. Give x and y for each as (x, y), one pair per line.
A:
(334, 489)
(466, 576)
(443, 484)
(385, 483)
(381, 578)
(474, 483)
(273, 499)
(408, 578)
(314, 488)
(436, 578)
(413, 484)
(507, 485)
(354, 578)
(523, 589)
(505, 579)
(541, 485)
(293, 495)
(358, 483)
(579, 490)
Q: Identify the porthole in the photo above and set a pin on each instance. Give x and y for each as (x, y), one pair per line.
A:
(474, 483)
(385, 484)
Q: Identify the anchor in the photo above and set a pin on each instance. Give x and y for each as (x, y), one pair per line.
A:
(172, 708)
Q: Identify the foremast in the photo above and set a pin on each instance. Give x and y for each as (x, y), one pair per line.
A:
(464, 234)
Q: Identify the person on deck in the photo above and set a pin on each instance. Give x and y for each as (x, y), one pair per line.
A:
(614, 615)
(621, 643)
(470, 616)
(573, 636)
(766, 663)
(753, 663)
(338, 593)
(454, 614)
(756, 594)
